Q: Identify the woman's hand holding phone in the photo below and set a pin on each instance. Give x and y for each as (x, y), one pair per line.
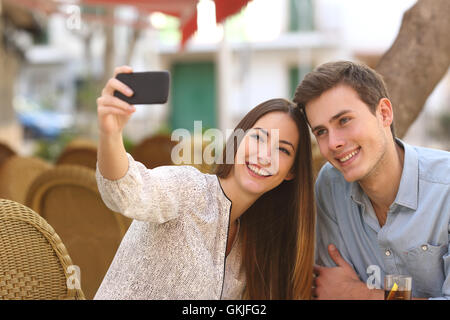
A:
(113, 113)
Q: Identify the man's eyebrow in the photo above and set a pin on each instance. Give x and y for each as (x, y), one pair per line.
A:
(333, 118)
(281, 141)
(336, 116)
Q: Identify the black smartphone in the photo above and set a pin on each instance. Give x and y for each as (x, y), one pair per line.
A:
(150, 87)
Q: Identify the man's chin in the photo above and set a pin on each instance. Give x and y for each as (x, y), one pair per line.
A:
(350, 175)
(351, 178)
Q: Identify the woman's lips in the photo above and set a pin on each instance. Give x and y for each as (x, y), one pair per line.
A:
(257, 171)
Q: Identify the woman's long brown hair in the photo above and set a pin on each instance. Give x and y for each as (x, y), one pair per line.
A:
(278, 229)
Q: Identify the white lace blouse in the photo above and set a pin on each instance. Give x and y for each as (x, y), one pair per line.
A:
(175, 247)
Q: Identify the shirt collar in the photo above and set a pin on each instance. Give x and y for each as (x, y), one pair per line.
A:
(407, 194)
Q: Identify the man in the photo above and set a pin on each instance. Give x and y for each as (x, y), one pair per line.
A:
(382, 205)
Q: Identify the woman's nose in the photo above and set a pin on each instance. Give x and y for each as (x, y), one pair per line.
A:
(264, 153)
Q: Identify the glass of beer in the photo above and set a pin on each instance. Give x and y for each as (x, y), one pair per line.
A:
(397, 287)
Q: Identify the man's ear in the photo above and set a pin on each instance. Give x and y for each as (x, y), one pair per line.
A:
(385, 109)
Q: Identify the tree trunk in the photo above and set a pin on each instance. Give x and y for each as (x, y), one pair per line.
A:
(135, 34)
(417, 60)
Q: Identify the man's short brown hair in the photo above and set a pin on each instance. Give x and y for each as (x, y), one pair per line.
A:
(368, 84)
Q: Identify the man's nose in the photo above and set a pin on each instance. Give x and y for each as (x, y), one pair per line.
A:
(335, 140)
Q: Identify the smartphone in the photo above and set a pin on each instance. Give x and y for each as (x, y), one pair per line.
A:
(150, 87)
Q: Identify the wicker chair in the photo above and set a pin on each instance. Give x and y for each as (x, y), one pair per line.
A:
(5, 152)
(154, 151)
(16, 175)
(34, 263)
(203, 166)
(79, 151)
(83, 156)
(68, 198)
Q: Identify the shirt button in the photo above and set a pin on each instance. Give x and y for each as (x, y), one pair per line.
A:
(387, 252)
(424, 247)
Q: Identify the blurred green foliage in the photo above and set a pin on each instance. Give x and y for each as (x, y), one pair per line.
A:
(50, 150)
(444, 123)
(128, 144)
(88, 91)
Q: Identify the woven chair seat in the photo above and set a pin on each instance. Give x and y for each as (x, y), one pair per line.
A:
(68, 198)
(34, 263)
(17, 174)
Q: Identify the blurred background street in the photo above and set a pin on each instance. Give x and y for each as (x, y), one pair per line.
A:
(57, 55)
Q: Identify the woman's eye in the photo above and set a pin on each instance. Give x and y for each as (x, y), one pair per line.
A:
(285, 151)
(256, 136)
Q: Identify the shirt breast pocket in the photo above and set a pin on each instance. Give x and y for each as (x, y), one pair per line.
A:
(426, 267)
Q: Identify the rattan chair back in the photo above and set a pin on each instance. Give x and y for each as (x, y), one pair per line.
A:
(317, 159)
(5, 152)
(34, 263)
(199, 151)
(81, 143)
(83, 156)
(68, 198)
(17, 174)
(154, 151)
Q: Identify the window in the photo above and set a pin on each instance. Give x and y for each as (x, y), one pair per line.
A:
(301, 15)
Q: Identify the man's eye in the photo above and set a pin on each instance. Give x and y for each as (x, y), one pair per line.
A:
(344, 120)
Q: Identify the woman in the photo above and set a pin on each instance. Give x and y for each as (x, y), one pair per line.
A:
(245, 232)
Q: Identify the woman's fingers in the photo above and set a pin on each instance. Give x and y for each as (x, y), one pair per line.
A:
(105, 110)
(114, 84)
(122, 69)
(107, 100)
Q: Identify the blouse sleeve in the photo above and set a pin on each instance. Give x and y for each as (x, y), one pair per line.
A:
(155, 195)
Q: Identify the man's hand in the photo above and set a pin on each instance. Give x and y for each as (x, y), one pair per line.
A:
(338, 283)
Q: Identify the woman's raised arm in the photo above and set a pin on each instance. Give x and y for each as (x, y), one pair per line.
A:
(113, 113)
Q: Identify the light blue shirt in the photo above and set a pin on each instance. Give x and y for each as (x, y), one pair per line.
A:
(415, 238)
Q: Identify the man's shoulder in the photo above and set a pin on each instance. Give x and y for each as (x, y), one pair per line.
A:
(434, 165)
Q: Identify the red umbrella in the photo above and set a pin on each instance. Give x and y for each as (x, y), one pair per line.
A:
(185, 10)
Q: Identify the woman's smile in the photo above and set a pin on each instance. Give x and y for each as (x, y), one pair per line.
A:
(257, 171)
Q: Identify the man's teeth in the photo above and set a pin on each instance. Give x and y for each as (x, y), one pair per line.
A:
(349, 156)
(258, 171)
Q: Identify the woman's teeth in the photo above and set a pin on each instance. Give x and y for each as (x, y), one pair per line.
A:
(348, 157)
(258, 171)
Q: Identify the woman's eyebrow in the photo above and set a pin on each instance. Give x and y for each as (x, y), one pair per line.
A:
(281, 141)
(263, 130)
(288, 143)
